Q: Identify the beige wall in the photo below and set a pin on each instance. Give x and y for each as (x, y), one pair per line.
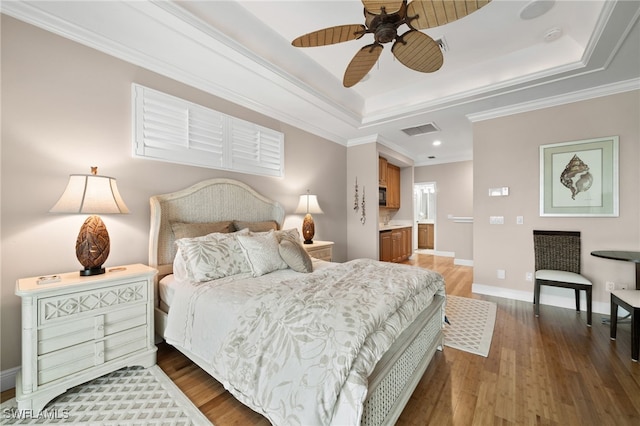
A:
(362, 163)
(506, 154)
(66, 107)
(454, 196)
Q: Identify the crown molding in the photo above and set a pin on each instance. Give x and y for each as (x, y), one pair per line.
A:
(581, 95)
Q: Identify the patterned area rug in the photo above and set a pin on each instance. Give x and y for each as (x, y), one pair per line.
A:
(471, 324)
(129, 396)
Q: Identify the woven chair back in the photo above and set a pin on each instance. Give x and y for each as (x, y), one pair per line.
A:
(557, 250)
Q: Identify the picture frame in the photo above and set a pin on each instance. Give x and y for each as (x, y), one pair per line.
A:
(579, 178)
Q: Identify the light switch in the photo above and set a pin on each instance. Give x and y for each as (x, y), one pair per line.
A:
(502, 191)
(519, 220)
(496, 220)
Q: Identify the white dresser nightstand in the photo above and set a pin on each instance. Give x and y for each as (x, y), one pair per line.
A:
(76, 328)
(322, 250)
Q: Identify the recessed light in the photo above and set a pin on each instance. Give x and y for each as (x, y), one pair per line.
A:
(437, 143)
(536, 8)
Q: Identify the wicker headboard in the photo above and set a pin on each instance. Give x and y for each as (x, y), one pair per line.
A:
(211, 200)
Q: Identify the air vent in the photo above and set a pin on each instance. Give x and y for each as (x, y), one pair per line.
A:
(422, 129)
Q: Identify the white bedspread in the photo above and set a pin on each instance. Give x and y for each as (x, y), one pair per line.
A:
(299, 350)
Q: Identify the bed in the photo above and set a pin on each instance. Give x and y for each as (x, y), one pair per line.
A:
(376, 358)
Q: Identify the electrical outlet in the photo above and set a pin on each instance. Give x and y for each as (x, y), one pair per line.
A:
(610, 286)
(528, 276)
(501, 274)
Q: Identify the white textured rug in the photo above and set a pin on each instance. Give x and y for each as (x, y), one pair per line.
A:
(471, 324)
(129, 396)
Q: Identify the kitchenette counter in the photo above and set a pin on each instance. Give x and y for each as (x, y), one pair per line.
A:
(390, 227)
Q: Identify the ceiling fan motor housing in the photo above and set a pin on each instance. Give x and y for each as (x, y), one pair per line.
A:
(384, 26)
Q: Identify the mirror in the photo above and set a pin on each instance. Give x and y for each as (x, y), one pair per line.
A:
(425, 202)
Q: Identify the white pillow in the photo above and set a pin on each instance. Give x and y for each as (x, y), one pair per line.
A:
(288, 234)
(261, 252)
(295, 256)
(211, 257)
(180, 267)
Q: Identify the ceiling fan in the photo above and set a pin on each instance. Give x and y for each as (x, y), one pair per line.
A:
(382, 18)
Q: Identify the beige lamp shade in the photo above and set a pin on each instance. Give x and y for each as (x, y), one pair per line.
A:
(308, 204)
(91, 194)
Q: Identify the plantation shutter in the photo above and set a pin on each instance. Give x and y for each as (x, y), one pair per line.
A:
(171, 129)
(256, 148)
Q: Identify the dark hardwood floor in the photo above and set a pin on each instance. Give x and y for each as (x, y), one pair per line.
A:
(551, 370)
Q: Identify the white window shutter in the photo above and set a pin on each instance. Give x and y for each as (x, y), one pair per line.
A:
(256, 148)
(174, 130)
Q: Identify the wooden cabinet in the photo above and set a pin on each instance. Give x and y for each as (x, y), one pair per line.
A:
(389, 178)
(322, 250)
(395, 244)
(407, 240)
(382, 172)
(393, 187)
(425, 236)
(386, 246)
(77, 328)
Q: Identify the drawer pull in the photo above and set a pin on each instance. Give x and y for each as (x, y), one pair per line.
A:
(99, 326)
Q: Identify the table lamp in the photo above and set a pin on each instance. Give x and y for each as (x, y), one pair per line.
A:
(91, 194)
(308, 204)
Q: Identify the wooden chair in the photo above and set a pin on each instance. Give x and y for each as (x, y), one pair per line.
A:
(557, 264)
(630, 302)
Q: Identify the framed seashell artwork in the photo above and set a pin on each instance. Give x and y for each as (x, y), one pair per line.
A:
(579, 178)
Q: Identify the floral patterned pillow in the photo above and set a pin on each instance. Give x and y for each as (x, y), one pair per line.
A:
(212, 256)
(261, 252)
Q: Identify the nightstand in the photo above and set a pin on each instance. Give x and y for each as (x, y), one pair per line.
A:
(75, 329)
(322, 250)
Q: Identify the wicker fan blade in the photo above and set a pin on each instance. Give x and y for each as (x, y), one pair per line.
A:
(361, 64)
(375, 6)
(433, 13)
(330, 35)
(418, 51)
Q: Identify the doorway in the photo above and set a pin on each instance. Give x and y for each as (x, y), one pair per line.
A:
(424, 203)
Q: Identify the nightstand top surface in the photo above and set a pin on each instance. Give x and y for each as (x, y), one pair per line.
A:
(31, 285)
(317, 243)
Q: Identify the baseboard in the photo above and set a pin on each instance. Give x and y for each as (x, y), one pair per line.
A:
(463, 262)
(547, 297)
(456, 261)
(8, 378)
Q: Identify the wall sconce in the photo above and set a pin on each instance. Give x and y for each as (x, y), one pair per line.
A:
(308, 204)
(91, 194)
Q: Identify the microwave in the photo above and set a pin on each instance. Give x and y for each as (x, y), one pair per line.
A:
(382, 196)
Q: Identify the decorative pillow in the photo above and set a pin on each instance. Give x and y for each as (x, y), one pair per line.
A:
(288, 234)
(212, 256)
(295, 256)
(192, 230)
(265, 226)
(180, 267)
(261, 253)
